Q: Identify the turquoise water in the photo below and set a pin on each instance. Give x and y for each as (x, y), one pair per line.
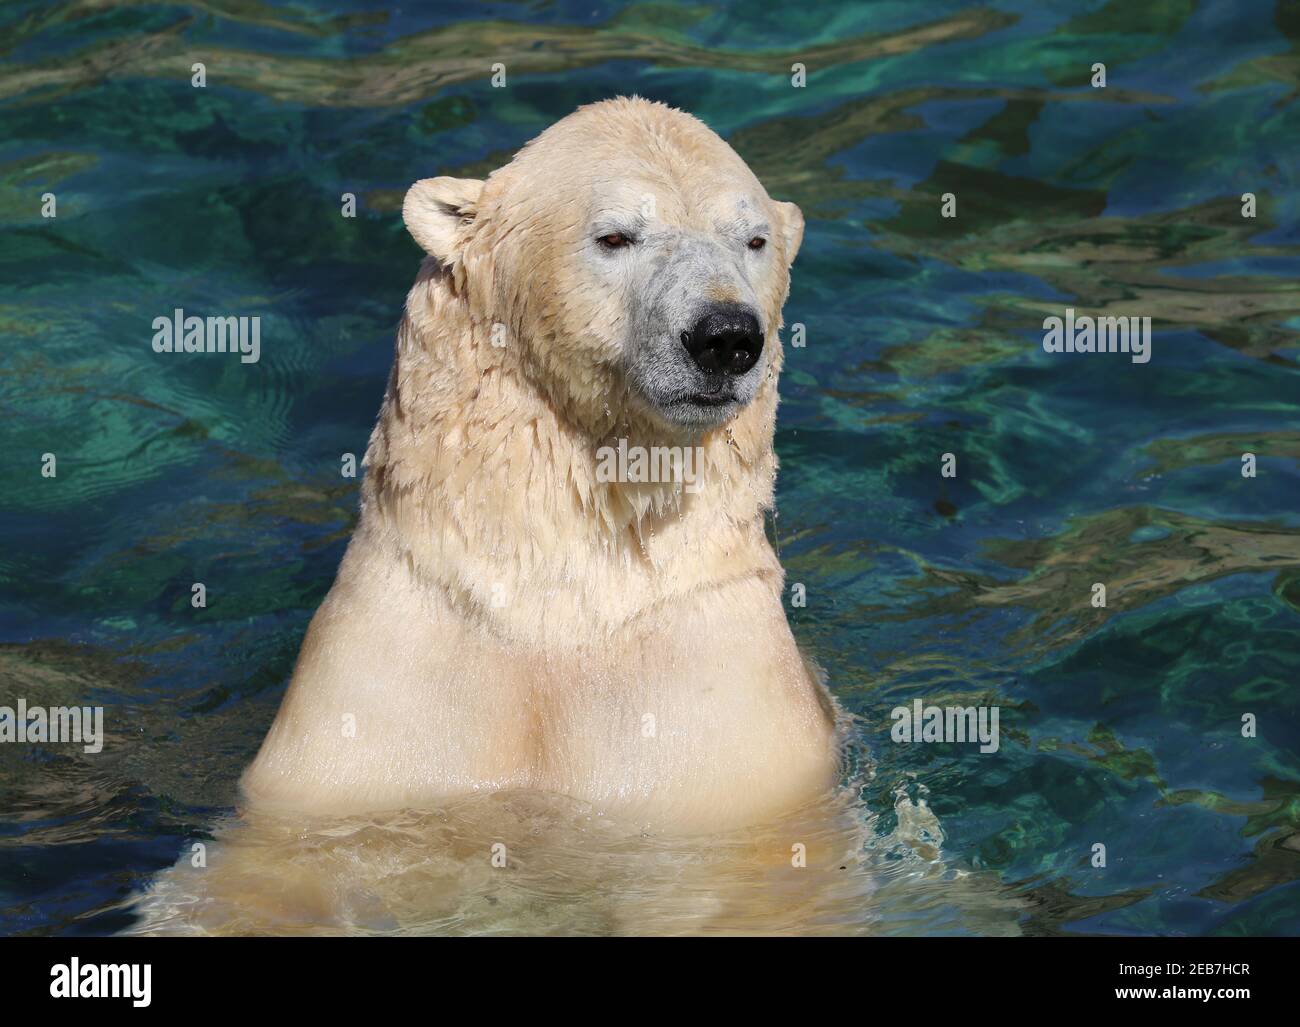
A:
(1120, 726)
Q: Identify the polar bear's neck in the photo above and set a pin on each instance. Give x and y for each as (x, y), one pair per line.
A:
(499, 502)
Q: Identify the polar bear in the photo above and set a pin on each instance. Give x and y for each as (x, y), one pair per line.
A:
(506, 616)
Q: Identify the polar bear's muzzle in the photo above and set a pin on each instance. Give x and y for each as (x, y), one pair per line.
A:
(695, 345)
(700, 376)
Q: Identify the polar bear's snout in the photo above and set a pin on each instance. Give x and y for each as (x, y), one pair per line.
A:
(703, 366)
(695, 347)
(725, 343)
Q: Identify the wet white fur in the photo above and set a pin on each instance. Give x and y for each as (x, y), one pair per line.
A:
(502, 619)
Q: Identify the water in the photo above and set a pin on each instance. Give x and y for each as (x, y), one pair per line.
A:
(1120, 726)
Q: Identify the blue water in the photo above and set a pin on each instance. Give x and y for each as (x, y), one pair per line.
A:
(1120, 725)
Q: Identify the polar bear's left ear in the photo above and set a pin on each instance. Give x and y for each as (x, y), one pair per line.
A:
(792, 225)
(437, 211)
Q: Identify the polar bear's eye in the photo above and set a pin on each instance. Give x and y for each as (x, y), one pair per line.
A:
(757, 243)
(614, 241)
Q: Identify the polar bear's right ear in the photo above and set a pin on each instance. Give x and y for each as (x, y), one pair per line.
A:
(792, 226)
(438, 210)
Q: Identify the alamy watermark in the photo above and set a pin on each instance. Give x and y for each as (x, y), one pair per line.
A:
(181, 334)
(921, 723)
(75, 979)
(665, 464)
(1098, 335)
(63, 724)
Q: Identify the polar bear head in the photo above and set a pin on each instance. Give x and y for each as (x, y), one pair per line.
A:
(632, 263)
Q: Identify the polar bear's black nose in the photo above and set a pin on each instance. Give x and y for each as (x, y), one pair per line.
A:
(726, 340)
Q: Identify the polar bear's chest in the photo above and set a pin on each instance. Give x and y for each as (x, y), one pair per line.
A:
(716, 714)
(708, 715)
